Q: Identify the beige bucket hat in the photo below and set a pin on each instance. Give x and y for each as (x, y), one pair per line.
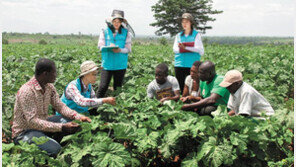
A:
(88, 67)
(231, 77)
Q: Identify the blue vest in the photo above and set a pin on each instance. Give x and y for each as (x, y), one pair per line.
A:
(115, 61)
(188, 58)
(70, 103)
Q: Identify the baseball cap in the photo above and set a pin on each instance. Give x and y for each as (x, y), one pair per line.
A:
(231, 77)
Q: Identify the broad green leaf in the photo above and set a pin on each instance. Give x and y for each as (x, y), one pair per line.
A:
(190, 160)
(124, 131)
(110, 154)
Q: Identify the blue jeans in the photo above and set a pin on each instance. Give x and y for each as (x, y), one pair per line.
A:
(52, 146)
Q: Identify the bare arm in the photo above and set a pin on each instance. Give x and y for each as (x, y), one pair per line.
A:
(185, 96)
(176, 97)
(209, 100)
(231, 113)
(185, 91)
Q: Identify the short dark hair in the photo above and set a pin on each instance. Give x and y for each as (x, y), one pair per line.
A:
(197, 64)
(43, 65)
(163, 67)
(208, 66)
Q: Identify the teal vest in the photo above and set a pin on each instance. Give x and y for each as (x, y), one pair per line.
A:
(115, 61)
(70, 103)
(188, 58)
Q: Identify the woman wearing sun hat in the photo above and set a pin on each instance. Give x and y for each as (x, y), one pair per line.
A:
(187, 47)
(79, 94)
(114, 61)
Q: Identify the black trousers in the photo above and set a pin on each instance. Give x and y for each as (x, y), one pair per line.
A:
(181, 74)
(106, 76)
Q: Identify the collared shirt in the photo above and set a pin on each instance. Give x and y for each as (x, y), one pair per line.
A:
(31, 108)
(73, 93)
(247, 100)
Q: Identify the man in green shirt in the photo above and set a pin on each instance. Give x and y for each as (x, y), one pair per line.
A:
(211, 93)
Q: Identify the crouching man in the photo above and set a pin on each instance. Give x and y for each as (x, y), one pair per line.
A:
(31, 118)
(244, 99)
(164, 87)
(211, 93)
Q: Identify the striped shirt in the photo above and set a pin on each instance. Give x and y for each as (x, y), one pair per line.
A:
(73, 93)
(31, 108)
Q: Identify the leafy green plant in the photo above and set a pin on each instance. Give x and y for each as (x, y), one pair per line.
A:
(42, 42)
(26, 155)
(139, 131)
(5, 41)
(163, 41)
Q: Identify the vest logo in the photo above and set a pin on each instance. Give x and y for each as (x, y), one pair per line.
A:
(203, 92)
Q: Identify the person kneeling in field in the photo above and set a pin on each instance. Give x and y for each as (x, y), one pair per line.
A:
(79, 94)
(244, 99)
(163, 87)
(211, 93)
(31, 118)
(191, 88)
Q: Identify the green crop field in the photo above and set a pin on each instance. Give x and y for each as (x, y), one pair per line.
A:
(139, 131)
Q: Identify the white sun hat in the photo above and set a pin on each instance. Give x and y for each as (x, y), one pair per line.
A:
(119, 14)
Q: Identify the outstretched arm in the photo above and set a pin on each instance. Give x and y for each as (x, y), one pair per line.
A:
(204, 102)
(176, 97)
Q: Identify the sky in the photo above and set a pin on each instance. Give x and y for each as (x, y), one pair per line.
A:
(239, 17)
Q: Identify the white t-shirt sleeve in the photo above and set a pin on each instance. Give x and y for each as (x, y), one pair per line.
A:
(150, 90)
(194, 93)
(175, 84)
(188, 81)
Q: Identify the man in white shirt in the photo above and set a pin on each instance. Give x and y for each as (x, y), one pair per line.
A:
(244, 99)
(163, 87)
